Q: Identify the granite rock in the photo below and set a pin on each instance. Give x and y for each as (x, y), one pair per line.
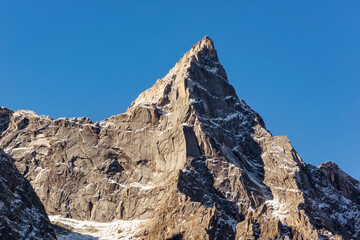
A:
(22, 215)
(188, 157)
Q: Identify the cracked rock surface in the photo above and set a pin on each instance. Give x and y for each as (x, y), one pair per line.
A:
(22, 215)
(187, 157)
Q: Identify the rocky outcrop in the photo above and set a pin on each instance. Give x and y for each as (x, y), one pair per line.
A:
(22, 215)
(189, 159)
(5, 115)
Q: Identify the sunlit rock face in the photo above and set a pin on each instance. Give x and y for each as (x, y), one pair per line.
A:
(188, 159)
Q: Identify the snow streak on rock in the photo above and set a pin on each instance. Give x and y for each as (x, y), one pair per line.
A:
(190, 158)
(22, 216)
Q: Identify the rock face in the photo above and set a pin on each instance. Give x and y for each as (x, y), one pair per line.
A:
(190, 159)
(22, 215)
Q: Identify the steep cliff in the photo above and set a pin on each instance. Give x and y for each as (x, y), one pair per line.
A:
(22, 216)
(188, 159)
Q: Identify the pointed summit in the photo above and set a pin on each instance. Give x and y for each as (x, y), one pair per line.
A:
(204, 55)
(199, 68)
(207, 41)
(187, 160)
(205, 44)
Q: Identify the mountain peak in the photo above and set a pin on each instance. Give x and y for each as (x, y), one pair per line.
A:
(205, 43)
(188, 160)
(203, 53)
(199, 66)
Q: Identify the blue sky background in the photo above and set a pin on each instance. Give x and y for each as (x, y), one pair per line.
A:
(296, 63)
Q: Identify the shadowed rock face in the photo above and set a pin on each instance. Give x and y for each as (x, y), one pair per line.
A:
(190, 158)
(22, 216)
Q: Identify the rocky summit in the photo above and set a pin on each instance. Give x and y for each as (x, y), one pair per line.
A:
(187, 160)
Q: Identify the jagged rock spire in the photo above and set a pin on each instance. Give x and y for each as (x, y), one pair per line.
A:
(200, 65)
(188, 159)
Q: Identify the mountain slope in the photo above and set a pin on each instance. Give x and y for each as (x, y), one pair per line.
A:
(189, 159)
(22, 216)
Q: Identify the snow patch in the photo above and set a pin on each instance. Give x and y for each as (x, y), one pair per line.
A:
(19, 149)
(280, 210)
(86, 230)
(141, 186)
(211, 69)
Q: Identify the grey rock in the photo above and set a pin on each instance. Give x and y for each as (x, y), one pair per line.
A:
(22, 215)
(5, 115)
(190, 158)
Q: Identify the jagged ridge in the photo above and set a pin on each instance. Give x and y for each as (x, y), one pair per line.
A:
(189, 158)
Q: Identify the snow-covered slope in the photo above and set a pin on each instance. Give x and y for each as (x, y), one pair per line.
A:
(89, 230)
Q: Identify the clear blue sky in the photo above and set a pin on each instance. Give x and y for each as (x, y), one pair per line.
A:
(297, 63)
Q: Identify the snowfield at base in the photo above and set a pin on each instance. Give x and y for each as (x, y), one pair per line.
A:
(90, 230)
